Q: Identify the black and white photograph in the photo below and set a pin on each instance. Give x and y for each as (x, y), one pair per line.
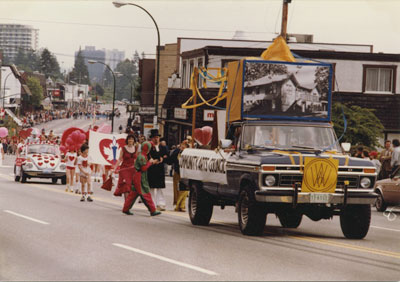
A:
(286, 89)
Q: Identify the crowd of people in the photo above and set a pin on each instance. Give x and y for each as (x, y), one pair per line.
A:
(386, 162)
(141, 166)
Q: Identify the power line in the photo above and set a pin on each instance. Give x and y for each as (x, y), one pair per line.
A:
(127, 26)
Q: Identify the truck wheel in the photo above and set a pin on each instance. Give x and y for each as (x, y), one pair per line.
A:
(200, 205)
(355, 220)
(289, 219)
(54, 180)
(380, 204)
(63, 180)
(252, 215)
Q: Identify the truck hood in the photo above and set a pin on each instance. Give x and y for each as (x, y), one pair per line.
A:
(290, 158)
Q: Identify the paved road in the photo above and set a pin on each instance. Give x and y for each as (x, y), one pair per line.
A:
(48, 234)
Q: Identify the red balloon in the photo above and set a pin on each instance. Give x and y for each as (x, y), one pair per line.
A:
(67, 132)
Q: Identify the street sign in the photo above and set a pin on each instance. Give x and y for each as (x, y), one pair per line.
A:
(180, 113)
(147, 110)
(130, 108)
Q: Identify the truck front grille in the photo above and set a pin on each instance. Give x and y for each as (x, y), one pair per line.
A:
(287, 180)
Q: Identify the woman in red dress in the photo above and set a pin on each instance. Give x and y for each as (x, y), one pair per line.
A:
(126, 159)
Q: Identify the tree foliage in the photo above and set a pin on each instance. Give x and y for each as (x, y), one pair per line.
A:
(49, 65)
(363, 127)
(80, 72)
(36, 90)
(126, 81)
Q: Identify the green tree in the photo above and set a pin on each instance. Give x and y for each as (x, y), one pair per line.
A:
(98, 90)
(49, 65)
(363, 127)
(126, 81)
(80, 73)
(27, 60)
(36, 90)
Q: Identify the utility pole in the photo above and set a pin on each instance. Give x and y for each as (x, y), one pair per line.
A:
(285, 9)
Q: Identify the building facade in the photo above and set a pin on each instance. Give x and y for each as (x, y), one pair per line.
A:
(15, 36)
(361, 77)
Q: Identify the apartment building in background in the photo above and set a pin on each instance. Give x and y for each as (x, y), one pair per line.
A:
(15, 36)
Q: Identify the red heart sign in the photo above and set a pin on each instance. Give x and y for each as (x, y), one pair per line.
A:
(71, 158)
(203, 135)
(106, 149)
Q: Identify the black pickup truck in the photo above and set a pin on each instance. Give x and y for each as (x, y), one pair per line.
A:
(288, 168)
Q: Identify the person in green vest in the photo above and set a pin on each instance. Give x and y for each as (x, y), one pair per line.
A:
(140, 185)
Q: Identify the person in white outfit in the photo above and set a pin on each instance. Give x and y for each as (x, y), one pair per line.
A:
(70, 160)
(85, 172)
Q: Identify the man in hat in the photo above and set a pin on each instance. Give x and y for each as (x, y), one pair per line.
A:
(156, 174)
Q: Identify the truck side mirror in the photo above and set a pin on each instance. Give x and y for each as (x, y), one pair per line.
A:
(346, 146)
(226, 143)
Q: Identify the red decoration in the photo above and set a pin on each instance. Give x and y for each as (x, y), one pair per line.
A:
(203, 135)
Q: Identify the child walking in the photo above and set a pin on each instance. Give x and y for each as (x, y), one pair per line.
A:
(85, 172)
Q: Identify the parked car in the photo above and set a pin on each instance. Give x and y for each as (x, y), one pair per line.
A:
(388, 191)
(40, 161)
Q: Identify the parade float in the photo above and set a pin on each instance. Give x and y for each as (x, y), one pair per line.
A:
(280, 155)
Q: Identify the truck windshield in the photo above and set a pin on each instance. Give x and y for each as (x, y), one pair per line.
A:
(289, 137)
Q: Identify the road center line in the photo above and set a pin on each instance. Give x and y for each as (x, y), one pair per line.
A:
(26, 217)
(395, 230)
(166, 259)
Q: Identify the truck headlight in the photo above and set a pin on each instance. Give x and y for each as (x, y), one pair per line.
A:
(269, 180)
(365, 182)
(62, 167)
(29, 165)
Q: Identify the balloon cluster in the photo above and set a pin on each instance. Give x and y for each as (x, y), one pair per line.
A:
(72, 139)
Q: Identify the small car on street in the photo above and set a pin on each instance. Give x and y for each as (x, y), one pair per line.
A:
(388, 191)
(40, 160)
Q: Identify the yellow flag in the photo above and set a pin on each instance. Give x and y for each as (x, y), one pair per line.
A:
(278, 51)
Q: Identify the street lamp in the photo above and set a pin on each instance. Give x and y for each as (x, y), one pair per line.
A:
(113, 100)
(120, 4)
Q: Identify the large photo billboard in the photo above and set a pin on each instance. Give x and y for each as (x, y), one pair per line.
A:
(285, 90)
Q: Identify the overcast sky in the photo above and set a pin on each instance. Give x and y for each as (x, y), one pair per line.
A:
(64, 26)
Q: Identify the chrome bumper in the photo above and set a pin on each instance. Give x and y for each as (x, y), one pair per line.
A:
(357, 198)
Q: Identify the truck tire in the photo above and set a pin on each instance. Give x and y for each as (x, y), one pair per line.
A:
(289, 219)
(355, 221)
(252, 216)
(63, 180)
(380, 204)
(54, 180)
(200, 205)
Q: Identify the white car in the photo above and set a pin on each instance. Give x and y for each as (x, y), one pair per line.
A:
(40, 161)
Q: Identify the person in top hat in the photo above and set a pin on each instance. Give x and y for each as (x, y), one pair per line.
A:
(156, 172)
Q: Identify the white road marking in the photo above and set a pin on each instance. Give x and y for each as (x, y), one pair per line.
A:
(166, 259)
(6, 166)
(377, 227)
(26, 217)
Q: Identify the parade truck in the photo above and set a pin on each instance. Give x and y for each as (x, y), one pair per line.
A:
(280, 154)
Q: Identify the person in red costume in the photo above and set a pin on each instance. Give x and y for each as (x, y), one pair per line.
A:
(126, 159)
(140, 182)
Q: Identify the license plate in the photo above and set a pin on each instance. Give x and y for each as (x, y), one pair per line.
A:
(319, 198)
(47, 171)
